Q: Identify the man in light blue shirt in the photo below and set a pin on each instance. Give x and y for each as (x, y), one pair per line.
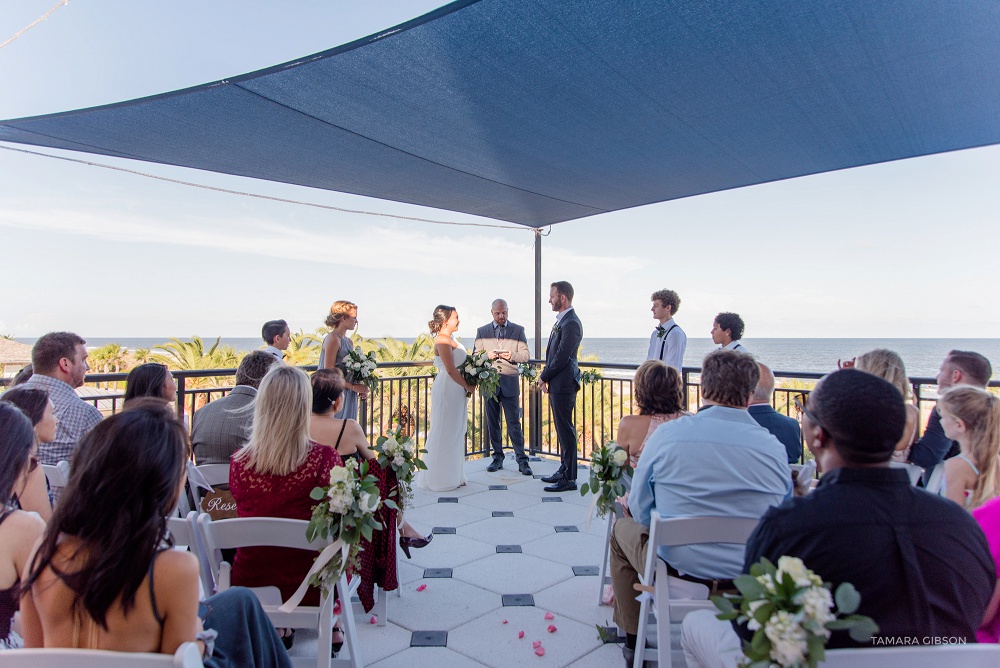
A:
(717, 463)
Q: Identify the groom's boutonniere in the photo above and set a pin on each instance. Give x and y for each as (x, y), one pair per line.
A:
(556, 328)
(660, 331)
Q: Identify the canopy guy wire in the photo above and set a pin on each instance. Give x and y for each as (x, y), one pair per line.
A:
(35, 22)
(269, 197)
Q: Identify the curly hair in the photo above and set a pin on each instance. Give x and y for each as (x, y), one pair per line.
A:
(733, 322)
(658, 388)
(338, 310)
(667, 298)
(440, 317)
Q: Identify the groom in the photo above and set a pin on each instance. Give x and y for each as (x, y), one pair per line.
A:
(505, 343)
(561, 380)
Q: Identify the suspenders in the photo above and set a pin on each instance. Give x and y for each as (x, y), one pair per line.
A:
(663, 343)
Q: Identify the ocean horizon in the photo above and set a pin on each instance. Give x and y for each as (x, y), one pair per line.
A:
(811, 355)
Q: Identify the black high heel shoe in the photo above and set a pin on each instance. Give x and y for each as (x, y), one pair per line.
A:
(335, 647)
(406, 543)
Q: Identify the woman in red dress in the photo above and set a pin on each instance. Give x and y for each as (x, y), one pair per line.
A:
(273, 475)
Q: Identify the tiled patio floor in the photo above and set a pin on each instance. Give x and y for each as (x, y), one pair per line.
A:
(469, 605)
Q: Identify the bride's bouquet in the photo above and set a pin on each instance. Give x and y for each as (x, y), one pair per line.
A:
(400, 453)
(345, 513)
(477, 369)
(607, 466)
(361, 369)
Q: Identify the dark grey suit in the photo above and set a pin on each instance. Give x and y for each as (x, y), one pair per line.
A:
(784, 428)
(222, 427)
(515, 342)
(563, 377)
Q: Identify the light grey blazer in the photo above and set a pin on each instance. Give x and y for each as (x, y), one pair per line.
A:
(222, 427)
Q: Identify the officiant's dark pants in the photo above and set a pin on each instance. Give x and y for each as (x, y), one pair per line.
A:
(563, 406)
(514, 431)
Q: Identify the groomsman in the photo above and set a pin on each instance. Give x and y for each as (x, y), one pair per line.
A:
(668, 341)
(561, 380)
(505, 343)
(727, 330)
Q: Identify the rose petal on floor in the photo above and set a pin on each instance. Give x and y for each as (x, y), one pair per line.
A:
(520, 634)
(552, 628)
(336, 608)
(373, 620)
(536, 643)
(549, 615)
(421, 587)
(540, 651)
(504, 621)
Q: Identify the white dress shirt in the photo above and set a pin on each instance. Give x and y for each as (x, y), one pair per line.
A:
(670, 347)
(735, 345)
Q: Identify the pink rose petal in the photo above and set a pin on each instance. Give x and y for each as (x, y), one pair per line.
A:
(336, 608)
(373, 620)
(504, 621)
(540, 651)
(520, 634)
(552, 628)
(549, 615)
(536, 643)
(421, 587)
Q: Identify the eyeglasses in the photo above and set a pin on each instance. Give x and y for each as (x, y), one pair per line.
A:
(801, 400)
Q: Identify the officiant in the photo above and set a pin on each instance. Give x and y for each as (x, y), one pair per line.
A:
(506, 344)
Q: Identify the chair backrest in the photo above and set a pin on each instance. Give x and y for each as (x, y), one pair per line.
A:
(693, 530)
(252, 532)
(935, 479)
(184, 532)
(912, 470)
(211, 475)
(57, 474)
(966, 656)
(186, 656)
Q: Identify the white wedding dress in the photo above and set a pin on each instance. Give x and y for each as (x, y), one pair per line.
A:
(445, 444)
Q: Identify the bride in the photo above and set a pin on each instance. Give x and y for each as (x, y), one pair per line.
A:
(445, 443)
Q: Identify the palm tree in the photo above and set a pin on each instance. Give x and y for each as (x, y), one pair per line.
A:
(303, 349)
(142, 355)
(192, 355)
(389, 349)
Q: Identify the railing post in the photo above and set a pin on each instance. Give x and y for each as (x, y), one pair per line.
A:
(181, 395)
(535, 418)
(363, 413)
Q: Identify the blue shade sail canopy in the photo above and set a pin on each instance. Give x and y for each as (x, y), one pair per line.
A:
(543, 111)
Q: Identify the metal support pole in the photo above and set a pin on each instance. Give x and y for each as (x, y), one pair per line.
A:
(535, 399)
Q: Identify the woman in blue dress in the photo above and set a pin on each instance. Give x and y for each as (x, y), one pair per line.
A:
(342, 319)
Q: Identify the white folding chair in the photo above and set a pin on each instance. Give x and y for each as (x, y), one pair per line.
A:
(936, 479)
(603, 579)
(186, 656)
(966, 656)
(206, 474)
(381, 609)
(184, 532)
(912, 470)
(57, 474)
(278, 532)
(667, 609)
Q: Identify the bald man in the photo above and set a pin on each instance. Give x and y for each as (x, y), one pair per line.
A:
(784, 428)
(505, 343)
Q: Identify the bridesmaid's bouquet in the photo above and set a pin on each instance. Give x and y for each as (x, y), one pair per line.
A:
(529, 372)
(400, 453)
(345, 513)
(607, 466)
(477, 369)
(361, 369)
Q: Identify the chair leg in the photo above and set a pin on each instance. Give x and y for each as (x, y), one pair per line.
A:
(640, 640)
(348, 626)
(604, 561)
(381, 606)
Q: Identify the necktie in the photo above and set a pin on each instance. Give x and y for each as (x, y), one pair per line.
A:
(500, 333)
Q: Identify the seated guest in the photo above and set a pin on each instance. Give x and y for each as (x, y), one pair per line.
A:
(659, 393)
(273, 475)
(960, 367)
(717, 463)
(889, 366)
(727, 330)
(35, 404)
(150, 380)
(23, 375)
(222, 427)
(59, 360)
(785, 429)
(349, 439)
(971, 417)
(920, 563)
(19, 530)
(102, 576)
(277, 336)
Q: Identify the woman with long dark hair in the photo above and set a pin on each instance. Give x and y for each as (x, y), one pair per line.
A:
(150, 380)
(19, 530)
(103, 576)
(34, 402)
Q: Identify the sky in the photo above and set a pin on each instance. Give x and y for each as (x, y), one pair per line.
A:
(904, 249)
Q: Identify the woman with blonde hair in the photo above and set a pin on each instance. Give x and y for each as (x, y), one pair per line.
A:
(337, 345)
(971, 416)
(889, 366)
(273, 475)
(659, 393)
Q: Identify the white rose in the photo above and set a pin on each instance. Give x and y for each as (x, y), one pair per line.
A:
(339, 502)
(767, 581)
(816, 603)
(338, 475)
(619, 457)
(794, 567)
(368, 502)
(398, 461)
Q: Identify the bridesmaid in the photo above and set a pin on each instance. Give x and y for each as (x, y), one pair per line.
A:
(336, 346)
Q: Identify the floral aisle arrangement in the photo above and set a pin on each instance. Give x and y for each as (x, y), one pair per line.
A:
(477, 369)
(607, 466)
(791, 612)
(528, 372)
(400, 453)
(361, 369)
(590, 376)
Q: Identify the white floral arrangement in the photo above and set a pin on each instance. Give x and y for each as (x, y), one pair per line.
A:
(590, 376)
(791, 612)
(401, 454)
(528, 371)
(345, 513)
(607, 466)
(360, 369)
(478, 370)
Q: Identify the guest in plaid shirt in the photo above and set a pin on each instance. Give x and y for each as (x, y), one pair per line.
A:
(59, 360)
